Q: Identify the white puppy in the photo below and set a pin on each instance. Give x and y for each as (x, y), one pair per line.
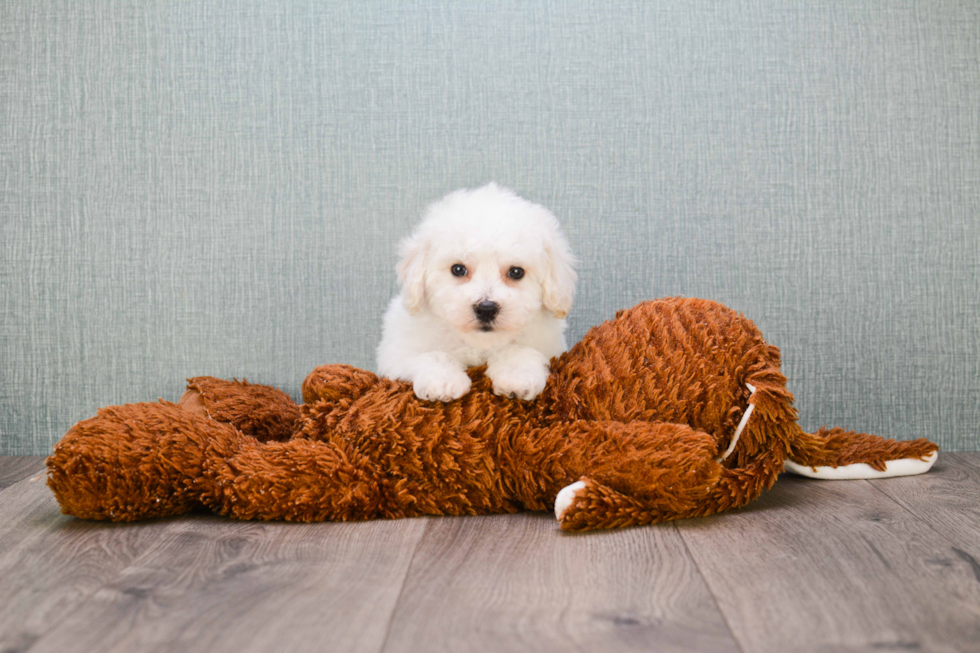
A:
(487, 277)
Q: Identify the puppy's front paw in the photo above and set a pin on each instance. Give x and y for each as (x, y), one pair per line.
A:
(520, 382)
(441, 384)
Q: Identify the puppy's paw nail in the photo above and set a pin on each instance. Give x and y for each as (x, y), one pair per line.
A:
(565, 497)
(518, 386)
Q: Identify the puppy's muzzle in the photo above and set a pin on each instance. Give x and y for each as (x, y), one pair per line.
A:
(486, 311)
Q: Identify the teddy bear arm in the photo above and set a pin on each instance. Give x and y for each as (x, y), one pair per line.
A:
(260, 411)
(347, 478)
(336, 382)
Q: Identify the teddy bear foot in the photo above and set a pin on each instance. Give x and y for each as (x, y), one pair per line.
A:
(588, 505)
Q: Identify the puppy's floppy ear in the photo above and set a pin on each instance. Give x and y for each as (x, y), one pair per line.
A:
(411, 272)
(558, 287)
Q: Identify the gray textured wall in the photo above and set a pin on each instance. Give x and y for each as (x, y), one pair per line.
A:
(217, 187)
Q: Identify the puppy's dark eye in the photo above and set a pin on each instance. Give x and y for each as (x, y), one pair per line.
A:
(515, 273)
(458, 270)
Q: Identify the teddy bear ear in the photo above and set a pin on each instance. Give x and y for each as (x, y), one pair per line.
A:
(559, 282)
(411, 272)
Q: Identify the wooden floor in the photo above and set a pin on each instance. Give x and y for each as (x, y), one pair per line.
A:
(889, 565)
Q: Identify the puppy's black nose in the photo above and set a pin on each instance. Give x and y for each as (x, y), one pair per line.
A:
(486, 310)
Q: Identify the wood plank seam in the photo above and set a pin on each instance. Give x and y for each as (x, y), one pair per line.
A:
(12, 469)
(401, 589)
(969, 458)
(84, 596)
(53, 639)
(711, 590)
(920, 545)
(966, 557)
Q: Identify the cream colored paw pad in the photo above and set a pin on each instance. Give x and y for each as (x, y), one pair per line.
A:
(565, 497)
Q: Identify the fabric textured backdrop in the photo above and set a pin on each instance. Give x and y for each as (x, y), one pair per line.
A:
(218, 187)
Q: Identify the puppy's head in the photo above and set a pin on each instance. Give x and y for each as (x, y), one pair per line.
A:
(487, 261)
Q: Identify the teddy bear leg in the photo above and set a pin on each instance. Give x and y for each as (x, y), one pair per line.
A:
(588, 504)
(640, 473)
(135, 461)
(260, 411)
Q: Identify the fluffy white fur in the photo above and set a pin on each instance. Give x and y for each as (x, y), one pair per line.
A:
(432, 331)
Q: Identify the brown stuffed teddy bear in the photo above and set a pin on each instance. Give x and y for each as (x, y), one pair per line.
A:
(676, 408)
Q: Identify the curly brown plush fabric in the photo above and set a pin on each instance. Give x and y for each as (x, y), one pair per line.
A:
(640, 410)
